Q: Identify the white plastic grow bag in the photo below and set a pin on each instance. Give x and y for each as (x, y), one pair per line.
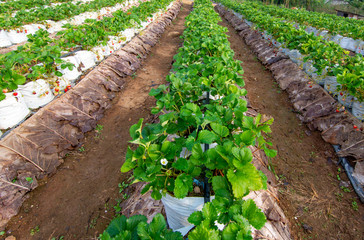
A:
(102, 52)
(309, 69)
(178, 211)
(87, 59)
(346, 99)
(358, 109)
(295, 56)
(12, 110)
(16, 37)
(70, 75)
(4, 39)
(59, 83)
(55, 26)
(311, 30)
(128, 33)
(360, 48)
(349, 43)
(331, 85)
(337, 38)
(36, 94)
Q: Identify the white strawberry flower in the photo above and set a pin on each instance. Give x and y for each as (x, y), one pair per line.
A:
(164, 161)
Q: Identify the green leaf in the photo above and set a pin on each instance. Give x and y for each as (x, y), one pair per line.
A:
(206, 136)
(190, 142)
(203, 233)
(254, 215)
(128, 164)
(244, 227)
(136, 129)
(247, 137)
(133, 221)
(117, 226)
(181, 164)
(244, 180)
(230, 231)
(156, 195)
(270, 152)
(209, 212)
(197, 154)
(220, 130)
(242, 156)
(173, 236)
(183, 184)
(158, 224)
(196, 218)
(18, 79)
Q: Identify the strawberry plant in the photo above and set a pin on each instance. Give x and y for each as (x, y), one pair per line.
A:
(136, 227)
(11, 6)
(324, 55)
(41, 55)
(55, 13)
(172, 153)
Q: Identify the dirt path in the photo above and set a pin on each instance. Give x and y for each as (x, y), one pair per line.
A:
(77, 202)
(309, 188)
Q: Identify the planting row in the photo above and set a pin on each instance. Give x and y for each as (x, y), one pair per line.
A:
(41, 59)
(55, 13)
(10, 6)
(349, 42)
(334, 24)
(204, 136)
(36, 148)
(325, 61)
(20, 35)
(314, 105)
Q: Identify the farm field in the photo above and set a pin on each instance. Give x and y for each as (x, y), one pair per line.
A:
(233, 106)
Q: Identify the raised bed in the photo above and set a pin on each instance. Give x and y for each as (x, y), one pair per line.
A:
(35, 149)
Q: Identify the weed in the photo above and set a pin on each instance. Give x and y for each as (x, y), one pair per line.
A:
(29, 179)
(60, 238)
(93, 222)
(354, 204)
(81, 149)
(134, 75)
(34, 230)
(122, 186)
(107, 207)
(2, 233)
(339, 196)
(338, 174)
(117, 206)
(14, 180)
(345, 189)
(98, 130)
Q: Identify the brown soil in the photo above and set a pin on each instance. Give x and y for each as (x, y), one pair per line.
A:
(305, 166)
(77, 202)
